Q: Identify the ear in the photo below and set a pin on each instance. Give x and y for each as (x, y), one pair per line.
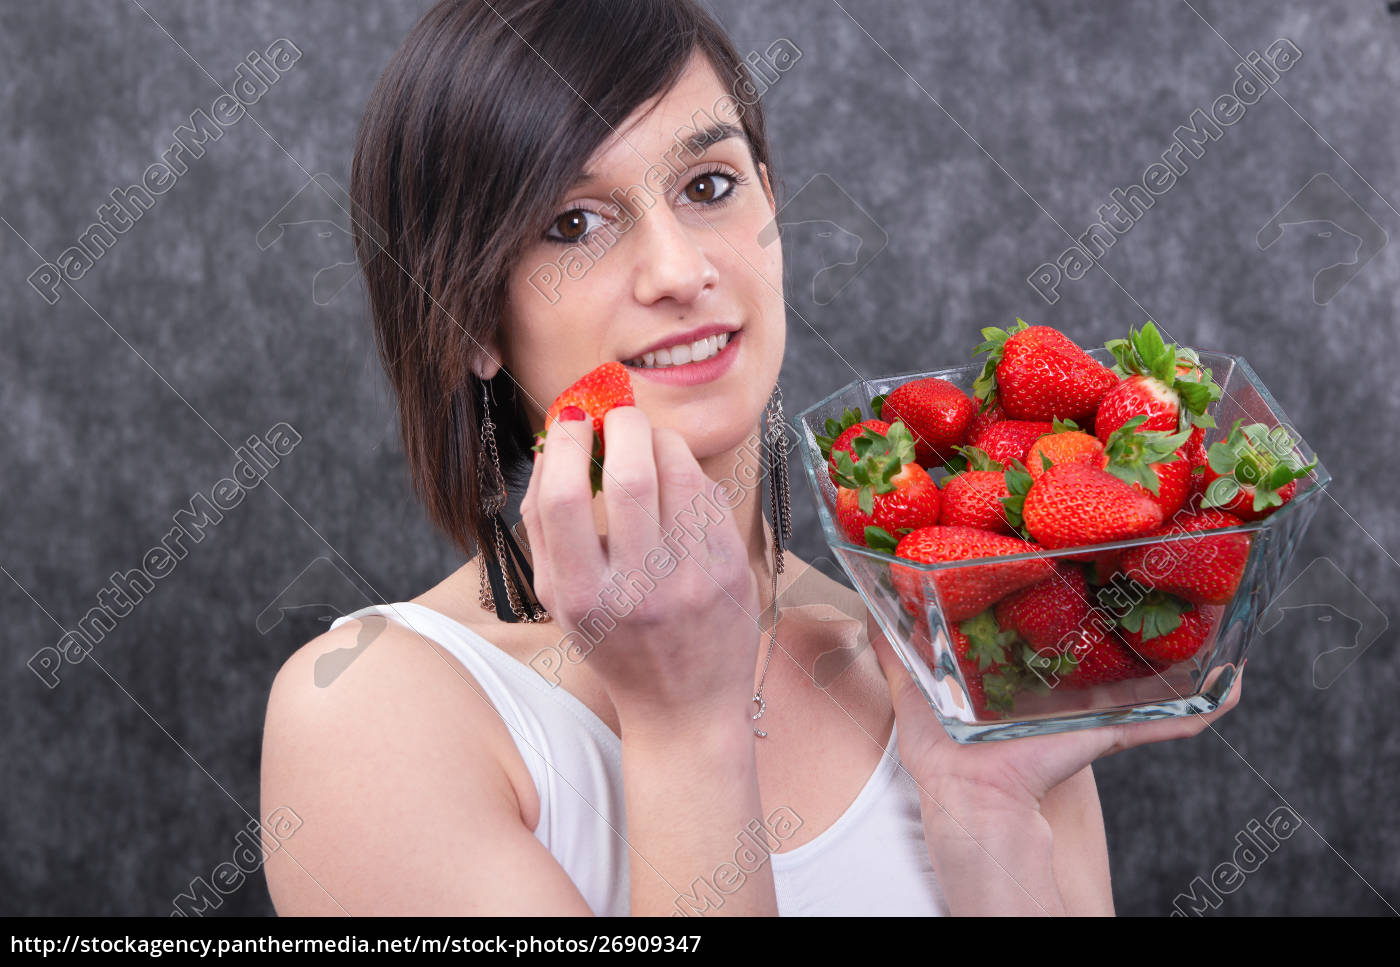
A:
(486, 362)
(768, 188)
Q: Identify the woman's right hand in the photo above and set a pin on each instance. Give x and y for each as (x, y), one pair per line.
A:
(667, 598)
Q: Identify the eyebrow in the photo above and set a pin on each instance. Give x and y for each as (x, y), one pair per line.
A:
(694, 145)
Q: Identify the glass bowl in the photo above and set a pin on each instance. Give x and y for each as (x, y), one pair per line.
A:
(909, 603)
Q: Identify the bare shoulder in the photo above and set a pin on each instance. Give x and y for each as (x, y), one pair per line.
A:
(387, 751)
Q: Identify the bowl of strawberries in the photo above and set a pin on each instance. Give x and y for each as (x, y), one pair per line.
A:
(1055, 538)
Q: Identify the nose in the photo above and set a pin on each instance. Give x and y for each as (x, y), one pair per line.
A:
(672, 262)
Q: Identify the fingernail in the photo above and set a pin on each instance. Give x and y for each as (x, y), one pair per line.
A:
(569, 413)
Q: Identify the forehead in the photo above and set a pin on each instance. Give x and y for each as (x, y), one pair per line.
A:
(696, 102)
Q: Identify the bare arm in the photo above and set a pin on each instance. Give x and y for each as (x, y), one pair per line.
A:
(395, 772)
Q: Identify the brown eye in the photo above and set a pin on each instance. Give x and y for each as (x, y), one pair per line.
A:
(573, 225)
(708, 188)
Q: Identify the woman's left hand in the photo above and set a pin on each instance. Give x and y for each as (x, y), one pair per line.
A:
(981, 802)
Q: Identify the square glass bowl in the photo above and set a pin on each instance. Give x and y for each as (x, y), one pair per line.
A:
(920, 633)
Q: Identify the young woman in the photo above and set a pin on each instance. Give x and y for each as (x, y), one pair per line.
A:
(555, 184)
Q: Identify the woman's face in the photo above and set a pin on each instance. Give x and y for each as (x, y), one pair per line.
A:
(657, 251)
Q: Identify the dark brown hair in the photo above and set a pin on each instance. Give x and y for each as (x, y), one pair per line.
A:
(483, 118)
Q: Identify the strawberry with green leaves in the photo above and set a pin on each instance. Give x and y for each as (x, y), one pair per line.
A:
(1153, 461)
(985, 656)
(601, 389)
(1038, 373)
(1202, 568)
(936, 412)
(880, 485)
(840, 433)
(973, 497)
(1070, 643)
(1165, 384)
(1163, 629)
(1254, 471)
(962, 591)
(1066, 443)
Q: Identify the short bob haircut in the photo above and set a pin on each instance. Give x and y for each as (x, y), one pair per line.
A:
(482, 119)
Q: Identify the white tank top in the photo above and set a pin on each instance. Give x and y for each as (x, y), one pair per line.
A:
(871, 862)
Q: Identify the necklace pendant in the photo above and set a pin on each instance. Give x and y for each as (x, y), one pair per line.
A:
(762, 707)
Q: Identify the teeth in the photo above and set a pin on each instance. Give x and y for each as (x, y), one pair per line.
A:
(680, 355)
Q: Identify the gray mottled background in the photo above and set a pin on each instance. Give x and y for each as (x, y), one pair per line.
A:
(969, 140)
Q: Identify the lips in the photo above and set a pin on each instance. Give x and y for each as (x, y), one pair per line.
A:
(684, 348)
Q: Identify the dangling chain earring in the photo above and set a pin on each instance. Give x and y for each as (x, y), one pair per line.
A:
(775, 449)
(493, 500)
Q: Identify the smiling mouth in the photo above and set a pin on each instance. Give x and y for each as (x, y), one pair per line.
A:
(681, 354)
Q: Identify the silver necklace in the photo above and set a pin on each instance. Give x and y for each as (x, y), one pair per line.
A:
(772, 642)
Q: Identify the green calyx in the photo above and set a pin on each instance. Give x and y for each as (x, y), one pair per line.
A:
(993, 345)
(1145, 353)
(1018, 484)
(970, 458)
(1041, 668)
(1001, 687)
(834, 429)
(987, 642)
(1155, 615)
(1257, 457)
(1132, 452)
(879, 539)
(878, 460)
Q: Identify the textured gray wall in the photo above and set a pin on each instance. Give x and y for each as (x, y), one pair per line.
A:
(124, 398)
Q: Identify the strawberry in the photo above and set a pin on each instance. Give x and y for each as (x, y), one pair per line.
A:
(1071, 504)
(1071, 642)
(962, 591)
(1066, 444)
(1203, 570)
(973, 497)
(1038, 373)
(1253, 472)
(1103, 658)
(598, 391)
(984, 417)
(936, 412)
(985, 657)
(1161, 382)
(840, 433)
(880, 485)
(1163, 629)
(1008, 440)
(1153, 461)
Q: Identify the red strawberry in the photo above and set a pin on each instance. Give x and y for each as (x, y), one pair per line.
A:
(1067, 444)
(1072, 640)
(598, 391)
(1203, 570)
(1153, 461)
(1165, 384)
(1164, 629)
(880, 485)
(1196, 447)
(936, 412)
(840, 433)
(973, 497)
(985, 657)
(1253, 472)
(1103, 659)
(1008, 440)
(1071, 504)
(1038, 373)
(963, 591)
(985, 417)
